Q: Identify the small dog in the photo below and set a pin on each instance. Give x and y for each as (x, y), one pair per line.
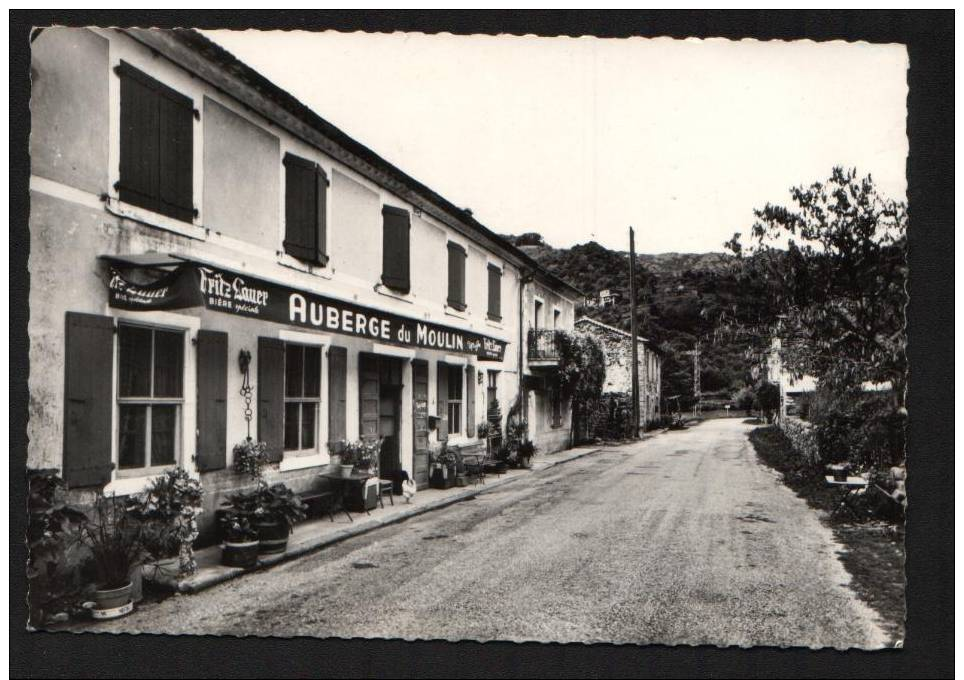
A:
(408, 489)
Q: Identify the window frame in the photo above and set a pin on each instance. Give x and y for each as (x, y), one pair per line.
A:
(496, 271)
(149, 402)
(322, 256)
(459, 402)
(303, 400)
(455, 249)
(385, 278)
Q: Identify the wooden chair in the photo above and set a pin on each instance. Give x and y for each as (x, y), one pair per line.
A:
(385, 486)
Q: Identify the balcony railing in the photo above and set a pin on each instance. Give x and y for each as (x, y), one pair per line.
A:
(542, 345)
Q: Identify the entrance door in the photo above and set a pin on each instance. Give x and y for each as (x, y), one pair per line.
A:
(380, 391)
(420, 422)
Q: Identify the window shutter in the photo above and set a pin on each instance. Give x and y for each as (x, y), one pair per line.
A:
(456, 296)
(139, 140)
(301, 219)
(212, 399)
(337, 395)
(88, 399)
(271, 395)
(175, 177)
(321, 215)
(442, 398)
(495, 293)
(470, 388)
(396, 273)
(368, 396)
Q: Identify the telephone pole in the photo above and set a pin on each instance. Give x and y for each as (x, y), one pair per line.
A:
(632, 327)
(697, 390)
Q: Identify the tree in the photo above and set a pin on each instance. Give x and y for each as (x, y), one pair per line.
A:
(835, 273)
(767, 399)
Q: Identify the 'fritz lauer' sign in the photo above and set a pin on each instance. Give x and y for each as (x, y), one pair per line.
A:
(192, 285)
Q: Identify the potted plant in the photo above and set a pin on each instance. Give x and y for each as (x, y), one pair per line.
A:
(279, 509)
(240, 547)
(362, 454)
(443, 468)
(524, 453)
(113, 536)
(250, 457)
(168, 513)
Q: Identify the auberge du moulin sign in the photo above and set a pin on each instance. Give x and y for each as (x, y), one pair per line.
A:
(192, 285)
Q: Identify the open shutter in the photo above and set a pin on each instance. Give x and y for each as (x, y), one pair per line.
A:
(321, 215)
(470, 388)
(369, 396)
(175, 177)
(139, 140)
(212, 399)
(301, 219)
(337, 395)
(396, 226)
(495, 293)
(271, 395)
(442, 399)
(456, 296)
(88, 379)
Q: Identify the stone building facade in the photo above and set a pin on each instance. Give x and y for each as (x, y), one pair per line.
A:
(617, 347)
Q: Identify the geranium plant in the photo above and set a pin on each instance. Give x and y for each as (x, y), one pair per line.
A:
(250, 457)
(168, 511)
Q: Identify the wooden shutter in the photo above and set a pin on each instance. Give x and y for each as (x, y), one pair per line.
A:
(301, 219)
(495, 293)
(456, 296)
(470, 388)
(396, 273)
(442, 399)
(212, 399)
(88, 400)
(321, 215)
(175, 176)
(420, 420)
(337, 395)
(271, 395)
(157, 145)
(139, 140)
(368, 393)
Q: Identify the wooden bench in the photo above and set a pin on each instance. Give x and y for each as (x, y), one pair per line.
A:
(318, 501)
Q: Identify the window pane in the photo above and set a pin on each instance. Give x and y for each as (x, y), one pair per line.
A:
(163, 431)
(294, 366)
(133, 423)
(455, 382)
(168, 363)
(134, 362)
(308, 412)
(292, 409)
(312, 371)
(455, 417)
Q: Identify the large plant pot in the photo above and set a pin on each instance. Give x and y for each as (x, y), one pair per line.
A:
(244, 555)
(272, 537)
(346, 470)
(442, 478)
(107, 599)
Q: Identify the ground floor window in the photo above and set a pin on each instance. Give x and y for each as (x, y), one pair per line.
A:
(150, 395)
(555, 404)
(302, 396)
(455, 399)
(491, 388)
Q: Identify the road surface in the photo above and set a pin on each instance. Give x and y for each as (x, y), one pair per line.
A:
(683, 538)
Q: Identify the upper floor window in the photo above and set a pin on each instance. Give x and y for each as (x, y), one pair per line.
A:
(156, 146)
(556, 317)
(495, 293)
(306, 194)
(395, 249)
(302, 396)
(456, 296)
(149, 395)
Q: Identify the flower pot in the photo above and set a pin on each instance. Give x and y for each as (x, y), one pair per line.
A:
(244, 555)
(113, 598)
(272, 537)
(461, 480)
(346, 470)
(137, 583)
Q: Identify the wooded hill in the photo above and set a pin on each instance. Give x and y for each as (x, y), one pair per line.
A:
(680, 299)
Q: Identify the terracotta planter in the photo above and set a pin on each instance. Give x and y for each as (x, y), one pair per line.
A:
(113, 598)
(272, 537)
(346, 470)
(244, 555)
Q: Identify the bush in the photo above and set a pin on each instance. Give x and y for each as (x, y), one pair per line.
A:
(767, 399)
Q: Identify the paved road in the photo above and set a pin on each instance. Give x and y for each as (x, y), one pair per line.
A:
(680, 539)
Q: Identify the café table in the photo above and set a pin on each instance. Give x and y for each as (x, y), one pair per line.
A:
(339, 485)
(850, 488)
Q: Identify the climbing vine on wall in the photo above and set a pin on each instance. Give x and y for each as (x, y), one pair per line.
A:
(582, 367)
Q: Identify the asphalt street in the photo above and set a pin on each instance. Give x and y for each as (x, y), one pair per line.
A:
(683, 538)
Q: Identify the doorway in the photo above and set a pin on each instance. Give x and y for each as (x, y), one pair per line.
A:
(380, 390)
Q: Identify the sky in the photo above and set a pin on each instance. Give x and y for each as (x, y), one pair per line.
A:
(580, 138)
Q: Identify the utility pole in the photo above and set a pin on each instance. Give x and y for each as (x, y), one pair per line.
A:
(697, 391)
(632, 329)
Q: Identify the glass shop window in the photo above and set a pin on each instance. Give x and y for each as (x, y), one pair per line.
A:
(302, 396)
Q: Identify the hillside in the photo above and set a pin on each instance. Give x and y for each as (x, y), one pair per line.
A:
(680, 297)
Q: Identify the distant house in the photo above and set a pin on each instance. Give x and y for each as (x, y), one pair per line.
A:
(604, 298)
(617, 347)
